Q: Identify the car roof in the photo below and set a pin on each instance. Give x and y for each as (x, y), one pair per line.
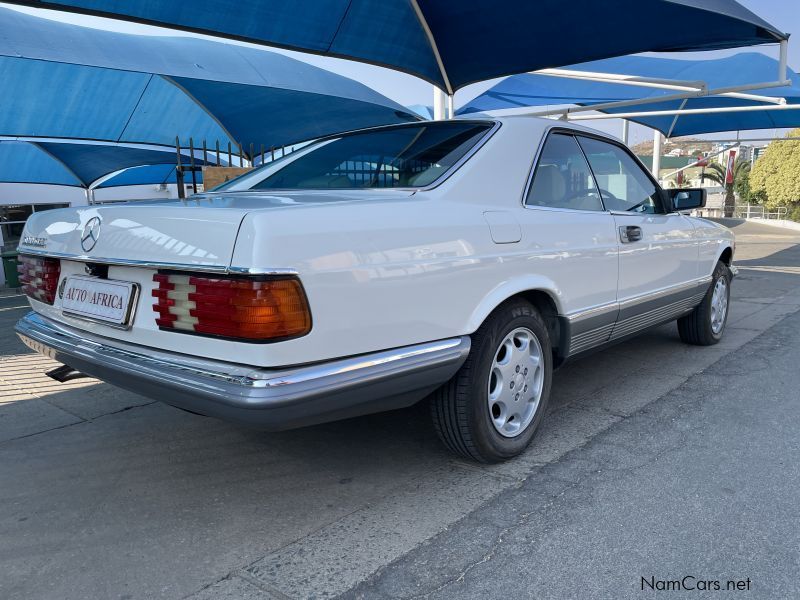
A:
(543, 122)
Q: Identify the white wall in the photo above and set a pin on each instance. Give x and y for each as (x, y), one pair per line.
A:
(34, 193)
(140, 192)
(29, 193)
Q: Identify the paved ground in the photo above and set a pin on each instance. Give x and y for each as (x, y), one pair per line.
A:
(657, 460)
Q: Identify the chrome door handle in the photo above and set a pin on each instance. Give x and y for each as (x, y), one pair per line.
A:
(630, 233)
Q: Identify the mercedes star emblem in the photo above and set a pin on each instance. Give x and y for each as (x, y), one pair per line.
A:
(91, 232)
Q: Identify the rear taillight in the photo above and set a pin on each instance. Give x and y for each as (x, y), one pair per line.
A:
(257, 310)
(39, 277)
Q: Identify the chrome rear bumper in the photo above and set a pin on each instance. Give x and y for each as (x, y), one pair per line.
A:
(266, 398)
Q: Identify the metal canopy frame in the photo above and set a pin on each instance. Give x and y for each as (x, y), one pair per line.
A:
(683, 90)
(436, 40)
(735, 145)
(684, 111)
(89, 186)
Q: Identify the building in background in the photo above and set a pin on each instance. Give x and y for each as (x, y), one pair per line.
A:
(18, 201)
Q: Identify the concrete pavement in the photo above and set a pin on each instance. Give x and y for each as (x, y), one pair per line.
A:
(106, 494)
(695, 495)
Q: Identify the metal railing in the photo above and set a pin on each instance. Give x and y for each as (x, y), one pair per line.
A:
(192, 158)
(755, 211)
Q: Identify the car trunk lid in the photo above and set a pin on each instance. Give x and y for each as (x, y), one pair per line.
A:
(198, 232)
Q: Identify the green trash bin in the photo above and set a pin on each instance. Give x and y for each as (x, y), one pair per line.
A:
(10, 268)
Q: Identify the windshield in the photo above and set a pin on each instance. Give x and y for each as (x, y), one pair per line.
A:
(406, 156)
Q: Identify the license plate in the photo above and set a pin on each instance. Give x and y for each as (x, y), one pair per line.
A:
(104, 300)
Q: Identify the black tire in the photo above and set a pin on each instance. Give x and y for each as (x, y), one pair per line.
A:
(460, 408)
(696, 328)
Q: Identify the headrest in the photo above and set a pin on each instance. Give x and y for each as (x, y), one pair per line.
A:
(549, 187)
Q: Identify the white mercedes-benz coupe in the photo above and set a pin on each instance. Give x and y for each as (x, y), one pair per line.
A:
(455, 261)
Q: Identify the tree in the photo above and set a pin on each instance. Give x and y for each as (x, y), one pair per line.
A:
(776, 173)
(745, 191)
(680, 181)
(716, 172)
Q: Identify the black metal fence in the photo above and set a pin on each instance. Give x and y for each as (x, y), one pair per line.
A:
(232, 155)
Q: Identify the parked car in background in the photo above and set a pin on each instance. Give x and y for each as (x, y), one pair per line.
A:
(460, 261)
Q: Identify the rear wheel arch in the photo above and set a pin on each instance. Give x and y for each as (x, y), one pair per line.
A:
(545, 303)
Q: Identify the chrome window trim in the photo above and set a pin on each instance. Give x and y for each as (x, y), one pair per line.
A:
(259, 271)
(567, 210)
(532, 169)
(637, 162)
(459, 163)
(560, 128)
(146, 264)
(550, 130)
(624, 213)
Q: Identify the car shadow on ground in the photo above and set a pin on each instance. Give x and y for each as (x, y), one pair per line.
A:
(113, 420)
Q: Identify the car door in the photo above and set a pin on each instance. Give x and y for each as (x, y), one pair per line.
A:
(571, 239)
(658, 251)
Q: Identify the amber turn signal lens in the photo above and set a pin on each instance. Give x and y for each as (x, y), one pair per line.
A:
(256, 310)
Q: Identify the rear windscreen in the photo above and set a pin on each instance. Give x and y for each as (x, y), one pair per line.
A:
(406, 156)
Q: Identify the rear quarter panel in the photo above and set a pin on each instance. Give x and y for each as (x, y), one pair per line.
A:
(395, 272)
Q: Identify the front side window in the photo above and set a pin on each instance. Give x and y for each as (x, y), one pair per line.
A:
(562, 178)
(407, 156)
(623, 184)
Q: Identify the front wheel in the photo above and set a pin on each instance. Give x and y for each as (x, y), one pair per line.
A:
(491, 408)
(705, 325)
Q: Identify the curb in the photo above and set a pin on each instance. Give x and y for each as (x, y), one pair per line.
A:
(784, 224)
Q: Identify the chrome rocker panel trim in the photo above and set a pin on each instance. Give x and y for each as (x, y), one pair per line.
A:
(271, 399)
(595, 327)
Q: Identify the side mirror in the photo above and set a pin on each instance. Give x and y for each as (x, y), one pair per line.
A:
(686, 199)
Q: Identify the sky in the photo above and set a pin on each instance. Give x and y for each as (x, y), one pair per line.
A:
(407, 90)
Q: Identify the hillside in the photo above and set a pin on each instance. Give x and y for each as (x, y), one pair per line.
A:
(697, 146)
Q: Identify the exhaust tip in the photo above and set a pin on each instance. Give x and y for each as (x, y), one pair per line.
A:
(65, 373)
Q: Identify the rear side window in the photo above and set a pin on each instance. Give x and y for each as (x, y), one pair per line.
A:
(624, 186)
(406, 156)
(562, 178)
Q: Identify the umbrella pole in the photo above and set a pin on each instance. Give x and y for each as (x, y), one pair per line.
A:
(439, 104)
(656, 154)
